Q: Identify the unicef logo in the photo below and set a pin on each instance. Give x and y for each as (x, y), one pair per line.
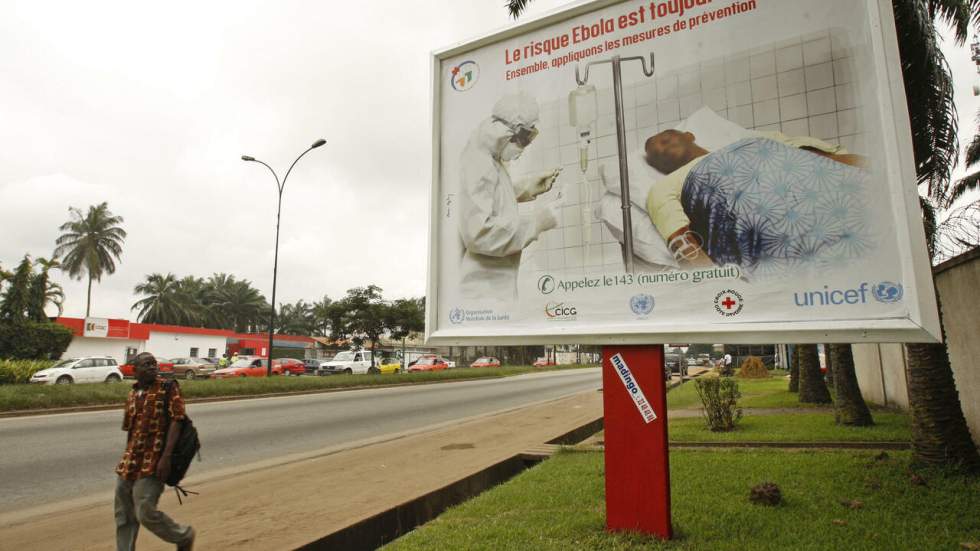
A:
(642, 304)
(464, 76)
(888, 292)
(457, 316)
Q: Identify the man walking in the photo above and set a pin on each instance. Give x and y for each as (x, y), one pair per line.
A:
(145, 464)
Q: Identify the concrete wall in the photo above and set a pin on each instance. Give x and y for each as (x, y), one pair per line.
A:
(173, 345)
(958, 280)
(97, 346)
(881, 367)
(881, 373)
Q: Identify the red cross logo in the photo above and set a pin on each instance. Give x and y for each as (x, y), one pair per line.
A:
(729, 303)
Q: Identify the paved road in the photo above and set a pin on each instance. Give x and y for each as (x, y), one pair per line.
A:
(50, 458)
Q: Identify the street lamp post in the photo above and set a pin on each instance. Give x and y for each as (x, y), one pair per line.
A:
(275, 265)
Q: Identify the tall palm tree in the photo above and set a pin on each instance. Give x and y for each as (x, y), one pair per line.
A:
(940, 436)
(163, 301)
(90, 245)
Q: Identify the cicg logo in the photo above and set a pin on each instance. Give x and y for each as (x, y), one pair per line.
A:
(560, 311)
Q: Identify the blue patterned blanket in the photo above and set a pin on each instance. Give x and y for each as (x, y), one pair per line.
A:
(774, 209)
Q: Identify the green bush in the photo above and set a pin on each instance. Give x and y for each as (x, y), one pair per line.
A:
(32, 340)
(20, 371)
(720, 399)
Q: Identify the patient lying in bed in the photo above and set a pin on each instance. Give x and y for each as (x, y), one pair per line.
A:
(765, 203)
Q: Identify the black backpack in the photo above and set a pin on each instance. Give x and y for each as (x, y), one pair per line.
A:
(187, 446)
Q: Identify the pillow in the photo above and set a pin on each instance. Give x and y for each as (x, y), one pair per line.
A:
(647, 242)
(713, 132)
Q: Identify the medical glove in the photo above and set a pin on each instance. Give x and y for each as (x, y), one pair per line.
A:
(536, 184)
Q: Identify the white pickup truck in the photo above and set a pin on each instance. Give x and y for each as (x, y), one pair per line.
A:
(347, 362)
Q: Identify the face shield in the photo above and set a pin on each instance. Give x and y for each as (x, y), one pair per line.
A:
(521, 135)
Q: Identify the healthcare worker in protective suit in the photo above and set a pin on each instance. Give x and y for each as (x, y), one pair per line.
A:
(493, 232)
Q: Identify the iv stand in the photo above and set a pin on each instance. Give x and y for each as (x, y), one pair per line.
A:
(624, 177)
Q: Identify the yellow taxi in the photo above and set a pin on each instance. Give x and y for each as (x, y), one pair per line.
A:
(389, 365)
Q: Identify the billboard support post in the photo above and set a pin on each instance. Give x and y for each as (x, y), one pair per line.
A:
(635, 418)
(624, 177)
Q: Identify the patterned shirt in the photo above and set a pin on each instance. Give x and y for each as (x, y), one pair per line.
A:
(147, 425)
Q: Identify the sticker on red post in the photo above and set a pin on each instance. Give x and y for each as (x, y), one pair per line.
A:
(625, 375)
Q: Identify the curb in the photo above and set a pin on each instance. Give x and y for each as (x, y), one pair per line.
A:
(387, 526)
(898, 446)
(208, 399)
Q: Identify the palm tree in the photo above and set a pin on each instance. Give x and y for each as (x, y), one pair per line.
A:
(940, 436)
(163, 302)
(90, 245)
(939, 432)
(970, 181)
(322, 313)
(238, 305)
(44, 291)
(812, 388)
(849, 405)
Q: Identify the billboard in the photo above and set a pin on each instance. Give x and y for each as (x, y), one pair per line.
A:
(678, 171)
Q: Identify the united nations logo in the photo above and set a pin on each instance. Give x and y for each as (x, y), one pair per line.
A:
(642, 304)
(888, 292)
(546, 284)
(457, 316)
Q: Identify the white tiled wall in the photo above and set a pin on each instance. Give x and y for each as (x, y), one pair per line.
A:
(803, 87)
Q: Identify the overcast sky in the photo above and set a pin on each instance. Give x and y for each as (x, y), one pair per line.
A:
(150, 106)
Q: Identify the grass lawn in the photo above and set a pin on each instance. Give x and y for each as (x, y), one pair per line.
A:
(756, 393)
(801, 427)
(560, 505)
(28, 397)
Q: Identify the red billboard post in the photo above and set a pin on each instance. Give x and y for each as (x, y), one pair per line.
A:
(637, 469)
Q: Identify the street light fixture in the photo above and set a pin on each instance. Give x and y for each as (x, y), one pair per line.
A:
(275, 265)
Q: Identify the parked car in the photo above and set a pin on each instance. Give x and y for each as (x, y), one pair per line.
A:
(389, 366)
(79, 370)
(290, 366)
(192, 368)
(247, 367)
(486, 361)
(673, 362)
(543, 362)
(348, 362)
(311, 365)
(428, 362)
(165, 368)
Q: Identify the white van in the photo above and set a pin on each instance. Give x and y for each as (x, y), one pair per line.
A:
(351, 361)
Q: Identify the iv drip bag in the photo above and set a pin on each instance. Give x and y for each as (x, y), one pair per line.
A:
(583, 109)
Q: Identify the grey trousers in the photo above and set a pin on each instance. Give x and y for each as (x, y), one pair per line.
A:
(136, 504)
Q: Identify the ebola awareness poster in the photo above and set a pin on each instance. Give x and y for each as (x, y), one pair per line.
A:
(678, 171)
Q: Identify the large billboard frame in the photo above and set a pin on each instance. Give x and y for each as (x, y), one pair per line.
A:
(896, 130)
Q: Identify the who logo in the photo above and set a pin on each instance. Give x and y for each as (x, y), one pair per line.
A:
(464, 76)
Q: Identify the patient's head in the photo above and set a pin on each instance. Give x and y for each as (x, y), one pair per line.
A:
(671, 149)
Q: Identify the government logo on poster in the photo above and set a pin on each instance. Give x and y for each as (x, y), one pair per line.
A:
(464, 76)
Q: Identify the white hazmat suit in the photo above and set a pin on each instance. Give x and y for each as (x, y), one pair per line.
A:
(493, 232)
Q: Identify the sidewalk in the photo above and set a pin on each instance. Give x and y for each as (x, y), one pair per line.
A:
(286, 506)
